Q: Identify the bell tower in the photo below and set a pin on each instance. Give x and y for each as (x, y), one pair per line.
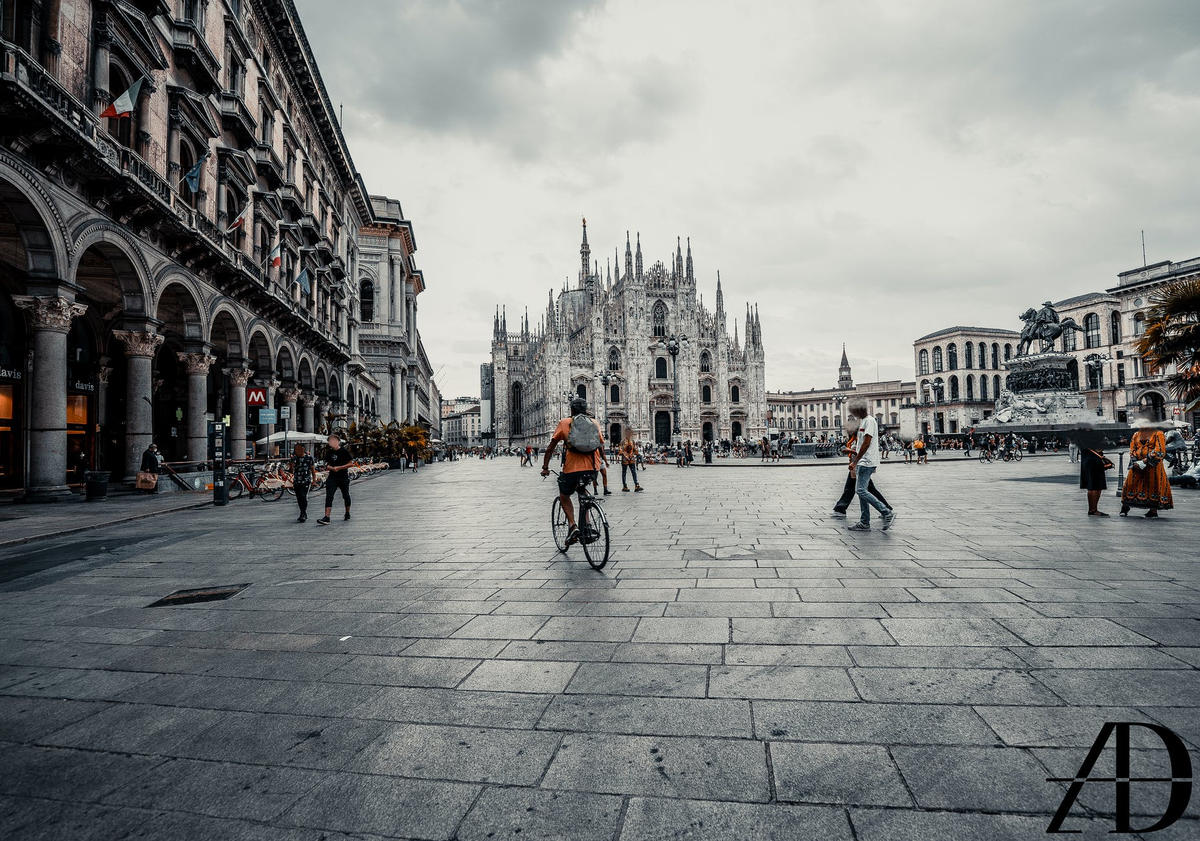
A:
(845, 381)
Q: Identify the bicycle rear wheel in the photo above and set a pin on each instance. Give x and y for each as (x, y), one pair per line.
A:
(270, 493)
(984, 457)
(236, 488)
(559, 525)
(593, 532)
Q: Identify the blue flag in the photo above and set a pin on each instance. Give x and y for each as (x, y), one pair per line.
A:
(193, 175)
(303, 281)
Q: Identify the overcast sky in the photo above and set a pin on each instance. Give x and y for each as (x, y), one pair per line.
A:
(866, 171)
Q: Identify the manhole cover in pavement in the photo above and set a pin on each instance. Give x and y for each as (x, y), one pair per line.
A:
(201, 594)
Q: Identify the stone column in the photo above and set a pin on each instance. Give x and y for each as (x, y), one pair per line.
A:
(102, 41)
(239, 378)
(197, 365)
(397, 407)
(306, 414)
(50, 317)
(267, 429)
(290, 397)
(139, 391)
(402, 396)
(102, 392)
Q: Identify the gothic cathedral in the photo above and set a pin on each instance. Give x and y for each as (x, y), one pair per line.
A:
(610, 340)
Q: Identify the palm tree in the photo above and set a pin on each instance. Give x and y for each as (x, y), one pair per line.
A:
(1173, 337)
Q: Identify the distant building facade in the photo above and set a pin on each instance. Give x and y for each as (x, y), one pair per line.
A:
(819, 414)
(618, 325)
(461, 429)
(959, 375)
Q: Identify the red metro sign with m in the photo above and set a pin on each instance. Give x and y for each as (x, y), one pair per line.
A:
(256, 397)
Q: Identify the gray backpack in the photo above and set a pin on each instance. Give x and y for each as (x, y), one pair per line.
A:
(583, 437)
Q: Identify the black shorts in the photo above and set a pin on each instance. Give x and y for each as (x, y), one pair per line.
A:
(569, 483)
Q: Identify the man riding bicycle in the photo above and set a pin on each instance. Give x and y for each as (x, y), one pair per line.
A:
(584, 445)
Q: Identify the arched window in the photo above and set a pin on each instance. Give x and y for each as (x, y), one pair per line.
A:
(923, 362)
(660, 367)
(659, 319)
(1069, 340)
(614, 360)
(515, 408)
(996, 386)
(952, 356)
(953, 388)
(983, 394)
(366, 300)
(1007, 352)
(614, 394)
(970, 388)
(1139, 324)
(706, 393)
(735, 394)
(995, 355)
(812, 423)
(825, 422)
(1091, 330)
(938, 367)
(581, 390)
(894, 419)
(968, 355)
(120, 128)
(705, 363)
(1114, 329)
(187, 161)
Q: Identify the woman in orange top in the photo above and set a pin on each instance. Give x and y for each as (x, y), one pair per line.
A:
(1146, 485)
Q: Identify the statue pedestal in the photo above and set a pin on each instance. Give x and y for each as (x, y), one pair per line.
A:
(1040, 397)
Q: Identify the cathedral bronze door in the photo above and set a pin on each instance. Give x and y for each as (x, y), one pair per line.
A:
(708, 431)
(662, 427)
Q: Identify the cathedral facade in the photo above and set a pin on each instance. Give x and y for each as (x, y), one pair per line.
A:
(609, 339)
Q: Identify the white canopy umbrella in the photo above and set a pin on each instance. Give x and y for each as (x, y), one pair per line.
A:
(293, 437)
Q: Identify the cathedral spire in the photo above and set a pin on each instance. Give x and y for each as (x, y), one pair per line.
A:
(845, 381)
(638, 268)
(628, 258)
(585, 256)
(678, 259)
(691, 278)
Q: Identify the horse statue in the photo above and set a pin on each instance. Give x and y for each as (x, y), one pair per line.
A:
(1044, 332)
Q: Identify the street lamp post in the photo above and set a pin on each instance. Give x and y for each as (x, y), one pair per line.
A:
(672, 346)
(1096, 361)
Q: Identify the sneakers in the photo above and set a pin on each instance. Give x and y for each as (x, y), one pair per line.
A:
(838, 514)
(324, 521)
(889, 518)
(625, 489)
(573, 536)
(637, 489)
(347, 517)
(860, 526)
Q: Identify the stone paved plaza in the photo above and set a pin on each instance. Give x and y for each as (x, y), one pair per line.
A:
(744, 669)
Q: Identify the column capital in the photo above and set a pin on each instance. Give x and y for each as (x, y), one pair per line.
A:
(196, 363)
(138, 343)
(239, 377)
(308, 398)
(50, 312)
(289, 395)
(104, 373)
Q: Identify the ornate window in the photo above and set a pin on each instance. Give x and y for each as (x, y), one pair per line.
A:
(706, 393)
(735, 394)
(614, 360)
(938, 367)
(1139, 324)
(660, 367)
(614, 394)
(705, 363)
(366, 300)
(515, 408)
(659, 320)
(824, 421)
(1114, 329)
(581, 390)
(923, 362)
(952, 356)
(1091, 330)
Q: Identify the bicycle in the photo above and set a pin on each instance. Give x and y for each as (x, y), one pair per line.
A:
(593, 527)
(265, 487)
(985, 456)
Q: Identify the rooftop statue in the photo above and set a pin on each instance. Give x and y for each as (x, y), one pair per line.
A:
(1043, 326)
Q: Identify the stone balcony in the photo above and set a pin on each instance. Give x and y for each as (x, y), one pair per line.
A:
(236, 117)
(268, 164)
(190, 46)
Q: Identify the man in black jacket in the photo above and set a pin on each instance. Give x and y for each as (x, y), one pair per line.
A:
(338, 462)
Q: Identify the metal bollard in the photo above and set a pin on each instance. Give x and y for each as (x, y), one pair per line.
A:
(1120, 474)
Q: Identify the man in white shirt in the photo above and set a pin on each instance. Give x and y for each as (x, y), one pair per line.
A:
(864, 460)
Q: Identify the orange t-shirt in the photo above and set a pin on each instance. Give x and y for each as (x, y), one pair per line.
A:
(577, 462)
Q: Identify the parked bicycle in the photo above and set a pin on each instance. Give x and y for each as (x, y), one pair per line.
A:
(593, 527)
(266, 486)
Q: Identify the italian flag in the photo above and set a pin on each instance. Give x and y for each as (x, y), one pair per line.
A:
(125, 103)
(274, 258)
(240, 221)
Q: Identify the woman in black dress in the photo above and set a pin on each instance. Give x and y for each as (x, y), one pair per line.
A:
(1091, 469)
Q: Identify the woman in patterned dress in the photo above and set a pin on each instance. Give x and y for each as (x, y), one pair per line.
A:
(1146, 484)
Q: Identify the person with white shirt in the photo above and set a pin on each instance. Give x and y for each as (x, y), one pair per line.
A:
(864, 461)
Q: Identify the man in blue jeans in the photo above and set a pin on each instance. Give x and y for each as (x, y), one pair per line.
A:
(864, 461)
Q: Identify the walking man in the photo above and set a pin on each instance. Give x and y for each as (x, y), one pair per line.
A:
(864, 461)
(338, 461)
(304, 471)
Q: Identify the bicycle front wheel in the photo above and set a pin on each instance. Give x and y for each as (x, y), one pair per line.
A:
(983, 457)
(1018, 455)
(593, 534)
(236, 488)
(559, 525)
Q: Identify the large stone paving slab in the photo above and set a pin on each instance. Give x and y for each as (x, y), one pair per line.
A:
(745, 668)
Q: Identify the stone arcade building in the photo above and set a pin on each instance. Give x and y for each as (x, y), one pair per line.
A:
(616, 326)
(134, 307)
